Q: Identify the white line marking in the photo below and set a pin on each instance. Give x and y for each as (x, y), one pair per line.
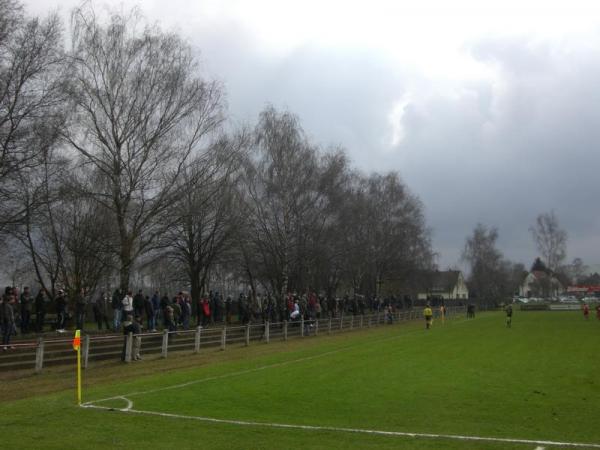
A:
(353, 430)
(540, 448)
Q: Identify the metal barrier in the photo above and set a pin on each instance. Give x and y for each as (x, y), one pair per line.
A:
(50, 352)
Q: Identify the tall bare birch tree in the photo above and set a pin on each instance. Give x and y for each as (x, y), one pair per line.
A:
(550, 239)
(141, 110)
(31, 99)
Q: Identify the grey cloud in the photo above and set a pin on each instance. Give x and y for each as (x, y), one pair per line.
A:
(493, 151)
(501, 160)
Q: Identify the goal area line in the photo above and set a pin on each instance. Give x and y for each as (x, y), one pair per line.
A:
(129, 409)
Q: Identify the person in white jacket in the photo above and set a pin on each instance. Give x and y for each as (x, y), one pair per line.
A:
(127, 304)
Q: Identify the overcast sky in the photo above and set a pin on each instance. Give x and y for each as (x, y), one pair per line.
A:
(490, 113)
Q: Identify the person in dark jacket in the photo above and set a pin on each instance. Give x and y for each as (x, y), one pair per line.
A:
(60, 304)
(186, 310)
(164, 302)
(100, 309)
(117, 307)
(139, 305)
(157, 309)
(26, 307)
(130, 325)
(80, 306)
(149, 307)
(8, 319)
(40, 310)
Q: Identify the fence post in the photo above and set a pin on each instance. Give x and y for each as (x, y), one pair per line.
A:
(369, 321)
(86, 350)
(39, 355)
(128, 346)
(165, 343)
(361, 320)
(267, 331)
(352, 322)
(316, 327)
(285, 325)
(329, 327)
(197, 340)
(247, 334)
(341, 321)
(223, 337)
(302, 326)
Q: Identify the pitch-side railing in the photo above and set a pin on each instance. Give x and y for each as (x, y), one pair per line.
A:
(47, 352)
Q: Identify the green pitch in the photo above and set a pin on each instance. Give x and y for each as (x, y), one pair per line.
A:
(537, 381)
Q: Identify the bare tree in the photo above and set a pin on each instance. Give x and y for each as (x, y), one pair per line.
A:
(65, 234)
(31, 98)
(205, 218)
(577, 270)
(141, 111)
(399, 238)
(550, 239)
(289, 188)
(488, 270)
(279, 187)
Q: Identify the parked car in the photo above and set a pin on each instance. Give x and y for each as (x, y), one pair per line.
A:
(568, 299)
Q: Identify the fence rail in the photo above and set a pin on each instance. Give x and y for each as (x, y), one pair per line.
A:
(58, 351)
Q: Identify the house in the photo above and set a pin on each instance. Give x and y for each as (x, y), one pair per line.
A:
(540, 283)
(443, 285)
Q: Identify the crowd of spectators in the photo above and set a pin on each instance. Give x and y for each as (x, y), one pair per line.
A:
(21, 311)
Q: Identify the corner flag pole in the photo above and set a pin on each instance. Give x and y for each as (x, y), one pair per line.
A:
(77, 346)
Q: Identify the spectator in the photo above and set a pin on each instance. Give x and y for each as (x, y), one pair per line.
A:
(164, 302)
(132, 326)
(228, 305)
(149, 307)
(156, 308)
(60, 305)
(241, 307)
(169, 318)
(127, 304)
(26, 306)
(8, 319)
(100, 309)
(139, 305)
(186, 311)
(389, 314)
(217, 308)
(40, 310)
(117, 307)
(205, 308)
(176, 305)
(295, 314)
(80, 304)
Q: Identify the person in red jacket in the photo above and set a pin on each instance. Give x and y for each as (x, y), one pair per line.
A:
(586, 311)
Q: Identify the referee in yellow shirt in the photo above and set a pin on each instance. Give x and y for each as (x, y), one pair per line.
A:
(428, 316)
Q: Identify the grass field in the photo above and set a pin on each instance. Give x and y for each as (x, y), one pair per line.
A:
(537, 381)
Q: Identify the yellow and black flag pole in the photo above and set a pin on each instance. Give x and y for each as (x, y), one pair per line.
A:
(77, 347)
